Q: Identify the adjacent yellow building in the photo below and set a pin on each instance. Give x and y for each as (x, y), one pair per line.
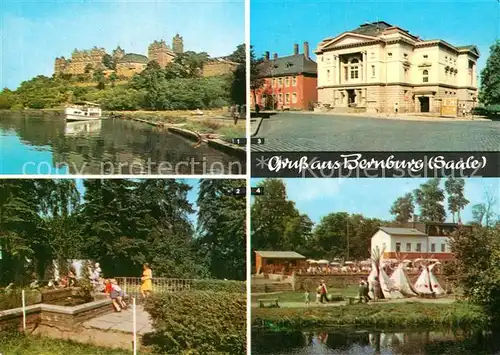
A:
(378, 67)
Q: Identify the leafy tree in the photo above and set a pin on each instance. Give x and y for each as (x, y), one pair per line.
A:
(429, 198)
(456, 199)
(238, 85)
(490, 80)
(221, 228)
(239, 55)
(108, 62)
(483, 213)
(403, 208)
(256, 81)
(270, 214)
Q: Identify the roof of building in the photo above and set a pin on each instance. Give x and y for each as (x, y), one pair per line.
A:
(134, 58)
(292, 64)
(371, 29)
(402, 231)
(280, 255)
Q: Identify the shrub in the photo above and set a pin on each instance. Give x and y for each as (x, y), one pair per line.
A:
(219, 286)
(201, 322)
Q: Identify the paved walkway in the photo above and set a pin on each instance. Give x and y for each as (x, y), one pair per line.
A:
(122, 321)
(326, 132)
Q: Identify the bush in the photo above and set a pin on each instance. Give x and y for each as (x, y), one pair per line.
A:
(492, 110)
(201, 322)
(219, 286)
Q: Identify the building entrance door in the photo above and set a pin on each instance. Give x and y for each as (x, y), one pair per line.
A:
(351, 97)
(424, 104)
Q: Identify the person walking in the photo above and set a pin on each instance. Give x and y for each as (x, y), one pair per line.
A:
(324, 292)
(147, 284)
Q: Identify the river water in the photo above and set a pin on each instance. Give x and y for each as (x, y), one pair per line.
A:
(355, 342)
(50, 145)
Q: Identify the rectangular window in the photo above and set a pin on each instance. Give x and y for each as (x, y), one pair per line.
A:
(294, 98)
(294, 80)
(433, 248)
(274, 82)
(287, 98)
(281, 97)
(408, 246)
(443, 248)
(373, 70)
(287, 81)
(389, 54)
(426, 56)
(280, 82)
(328, 75)
(419, 247)
(398, 247)
(346, 74)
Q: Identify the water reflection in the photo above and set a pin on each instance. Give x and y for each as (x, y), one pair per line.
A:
(39, 145)
(374, 342)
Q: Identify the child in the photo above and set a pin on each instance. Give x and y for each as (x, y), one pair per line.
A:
(117, 293)
(307, 297)
(318, 294)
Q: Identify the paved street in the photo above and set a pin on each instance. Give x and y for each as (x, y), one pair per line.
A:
(319, 132)
(122, 321)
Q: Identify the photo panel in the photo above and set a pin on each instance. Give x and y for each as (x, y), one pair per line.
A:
(394, 89)
(123, 87)
(392, 266)
(123, 266)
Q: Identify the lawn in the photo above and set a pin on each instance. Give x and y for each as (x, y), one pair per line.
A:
(298, 296)
(19, 344)
(400, 315)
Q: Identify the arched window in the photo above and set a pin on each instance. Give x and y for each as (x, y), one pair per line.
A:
(425, 76)
(354, 68)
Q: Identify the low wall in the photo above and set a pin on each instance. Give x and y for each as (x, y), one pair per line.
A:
(66, 318)
(311, 281)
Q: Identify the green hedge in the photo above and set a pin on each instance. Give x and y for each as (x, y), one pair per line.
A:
(199, 322)
(380, 315)
(490, 111)
(219, 286)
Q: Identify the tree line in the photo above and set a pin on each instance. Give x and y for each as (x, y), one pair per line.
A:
(122, 224)
(178, 86)
(277, 224)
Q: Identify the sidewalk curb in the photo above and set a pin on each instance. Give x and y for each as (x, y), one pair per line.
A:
(253, 134)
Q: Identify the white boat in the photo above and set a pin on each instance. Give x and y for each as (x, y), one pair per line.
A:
(82, 127)
(83, 111)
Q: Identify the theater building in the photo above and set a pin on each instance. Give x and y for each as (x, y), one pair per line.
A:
(289, 83)
(379, 67)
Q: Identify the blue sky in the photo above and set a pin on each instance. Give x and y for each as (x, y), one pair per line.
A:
(371, 197)
(192, 195)
(35, 32)
(277, 25)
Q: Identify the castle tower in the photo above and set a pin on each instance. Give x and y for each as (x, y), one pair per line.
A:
(59, 66)
(159, 52)
(178, 44)
(118, 54)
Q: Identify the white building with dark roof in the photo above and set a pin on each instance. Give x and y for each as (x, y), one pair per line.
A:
(379, 67)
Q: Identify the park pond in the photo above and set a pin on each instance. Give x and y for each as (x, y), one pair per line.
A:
(353, 342)
(48, 144)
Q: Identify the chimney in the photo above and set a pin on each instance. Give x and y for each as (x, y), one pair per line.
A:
(415, 220)
(306, 50)
(266, 56)
(275, 55)
(295, 49)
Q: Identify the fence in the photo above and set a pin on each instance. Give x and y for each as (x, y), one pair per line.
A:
(132, 285)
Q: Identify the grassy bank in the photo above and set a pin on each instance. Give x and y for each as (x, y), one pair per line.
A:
(17, 344)
(400, 315)
(298, 296)
(212, 122)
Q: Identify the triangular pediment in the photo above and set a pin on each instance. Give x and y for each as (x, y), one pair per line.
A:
(346, 39)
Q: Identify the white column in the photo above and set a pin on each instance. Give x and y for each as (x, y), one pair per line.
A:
(337, 68)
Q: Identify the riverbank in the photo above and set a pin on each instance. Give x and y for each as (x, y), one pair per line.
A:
(400, 315)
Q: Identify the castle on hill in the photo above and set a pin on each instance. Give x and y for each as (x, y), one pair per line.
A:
(128, 64)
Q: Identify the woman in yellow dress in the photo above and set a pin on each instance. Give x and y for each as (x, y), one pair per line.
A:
(147, 285)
